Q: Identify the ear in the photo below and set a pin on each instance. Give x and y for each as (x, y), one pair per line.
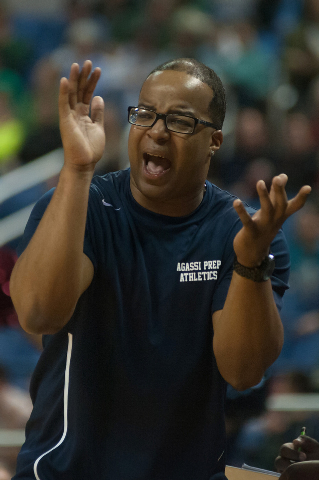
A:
(216, 141)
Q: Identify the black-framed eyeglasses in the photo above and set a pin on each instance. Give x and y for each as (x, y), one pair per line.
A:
(144, 117)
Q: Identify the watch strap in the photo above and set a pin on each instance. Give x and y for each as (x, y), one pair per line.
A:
(257, 274)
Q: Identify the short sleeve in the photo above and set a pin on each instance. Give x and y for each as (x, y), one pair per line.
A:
(34, 220)
(280, 278)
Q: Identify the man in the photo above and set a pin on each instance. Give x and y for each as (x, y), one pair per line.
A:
(299, 460)
(131, 275)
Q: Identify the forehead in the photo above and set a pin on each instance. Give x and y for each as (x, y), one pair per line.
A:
(170, 88)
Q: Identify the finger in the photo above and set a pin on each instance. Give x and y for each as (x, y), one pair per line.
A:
(280, 180)
(266, 205)
(298, 201)
(278, 194)
(242, 213)
(90, 85)
(291, 453)
(97, 110)
(73, 84)
(281, 464)
(64, 106)
(82, 80)
(307, 444)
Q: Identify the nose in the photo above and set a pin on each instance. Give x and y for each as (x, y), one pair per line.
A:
(159, 131)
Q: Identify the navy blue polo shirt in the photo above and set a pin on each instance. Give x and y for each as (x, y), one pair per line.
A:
(129, 388)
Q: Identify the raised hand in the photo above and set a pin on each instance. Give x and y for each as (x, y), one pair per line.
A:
(82, 135)
(252, 242)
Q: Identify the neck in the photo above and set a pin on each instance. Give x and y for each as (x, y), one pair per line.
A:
(173, 207)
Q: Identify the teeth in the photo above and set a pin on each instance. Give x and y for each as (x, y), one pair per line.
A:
(154, 155)
(156, 164)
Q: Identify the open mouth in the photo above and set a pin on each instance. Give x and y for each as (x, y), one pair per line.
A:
(156, 165)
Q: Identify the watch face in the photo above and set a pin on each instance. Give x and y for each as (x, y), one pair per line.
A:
(270, 266)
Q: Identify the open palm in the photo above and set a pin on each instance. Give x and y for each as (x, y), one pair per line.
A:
(82, 134)
(252, 242)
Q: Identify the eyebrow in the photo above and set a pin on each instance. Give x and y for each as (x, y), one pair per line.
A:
(178, 110)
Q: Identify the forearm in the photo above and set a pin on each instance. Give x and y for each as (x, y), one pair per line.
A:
(248, 335)
(46, 281)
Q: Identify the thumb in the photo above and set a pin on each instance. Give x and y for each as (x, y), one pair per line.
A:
(97, 110)
(299, 200)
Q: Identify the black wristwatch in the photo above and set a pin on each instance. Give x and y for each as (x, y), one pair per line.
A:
(256, 274)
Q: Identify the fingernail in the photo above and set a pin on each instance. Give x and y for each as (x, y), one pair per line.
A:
(302, 456)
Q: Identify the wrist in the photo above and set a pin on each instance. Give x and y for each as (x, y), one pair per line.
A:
(74, 182)
(259, 273)
(79, 172)
(250, 262)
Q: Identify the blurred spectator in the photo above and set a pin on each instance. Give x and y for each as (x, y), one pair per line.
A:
(43, 134)
(251, 143)
(11, 135)
(122, 15)
(159, 17)
(262, 435)
(299, 156)
(76, 9)
(190, 30)
(85, 38)
(15, 409)
(241, 407)
(8, 315)
(37, 8)
(236, 52)
(15, 404)
(12, 129)
(245, 188)
(313, 109)
(128, 63)
(19, 352)
(39, 24)
(16, 53)
(246, 63)
(275, 19)
(301, 52)
(300, 313)
(232, 10)
(110, 160)
(5, 473)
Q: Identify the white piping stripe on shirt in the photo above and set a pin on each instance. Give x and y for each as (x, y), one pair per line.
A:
(65, 401)
(220, 456)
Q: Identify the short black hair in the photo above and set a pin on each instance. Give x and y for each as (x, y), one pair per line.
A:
(217, 105)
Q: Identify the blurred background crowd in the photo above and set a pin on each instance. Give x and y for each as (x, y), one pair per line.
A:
(267, 55)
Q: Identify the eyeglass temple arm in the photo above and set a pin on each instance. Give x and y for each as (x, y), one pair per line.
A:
(208, 124)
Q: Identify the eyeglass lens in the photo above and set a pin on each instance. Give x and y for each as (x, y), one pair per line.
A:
(176, 123)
